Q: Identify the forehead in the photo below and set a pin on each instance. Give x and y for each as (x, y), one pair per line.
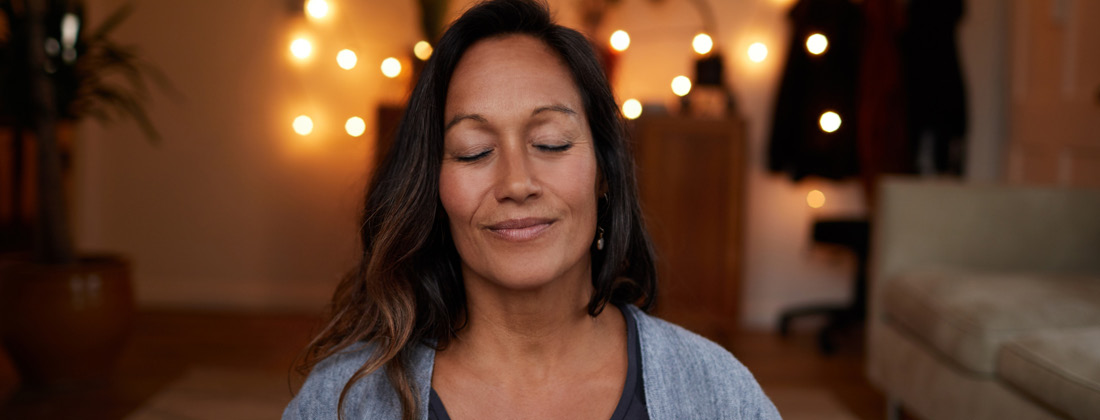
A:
(516, 71)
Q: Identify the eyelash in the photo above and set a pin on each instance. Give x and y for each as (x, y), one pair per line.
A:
(474, 157)
(554, 148)
(542, 147)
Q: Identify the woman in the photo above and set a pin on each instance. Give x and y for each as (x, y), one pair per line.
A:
(513, 148)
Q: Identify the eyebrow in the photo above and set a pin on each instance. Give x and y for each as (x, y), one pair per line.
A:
(481, 119)
(559, 108)
(460, 117)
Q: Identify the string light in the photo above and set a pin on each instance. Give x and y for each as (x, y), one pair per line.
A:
(681, 85)
(301, 48)
(620, 40)
(758, 52)
(355, 126)
(815, 199)
(303, 125)
(317, 9)
(632, 108)
(702, 43)
(422, 50)
(829, 122)
(817, 44)
(346, 59)
(391, 67)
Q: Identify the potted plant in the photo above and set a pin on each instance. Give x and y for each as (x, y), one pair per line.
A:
(64, 316)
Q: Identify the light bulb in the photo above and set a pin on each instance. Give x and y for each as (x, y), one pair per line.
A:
(355, 126)
(620, 40)
(702, 43)
(817, 44)
(632, 108)
(422, 50)
(346, 59)
(303, 125)
(758, 52)
(830, 121)
(301, 48)
(391, 67)
(681, 85)
(815, 199)
(317, 8)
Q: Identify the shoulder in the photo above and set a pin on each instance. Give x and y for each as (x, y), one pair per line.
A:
(665, 339)
(679, 365)
(370, 397)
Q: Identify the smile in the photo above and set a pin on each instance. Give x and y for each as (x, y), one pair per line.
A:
(520, 230)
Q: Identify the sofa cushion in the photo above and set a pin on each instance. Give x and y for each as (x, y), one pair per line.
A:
(1058, 367)
(967, 315)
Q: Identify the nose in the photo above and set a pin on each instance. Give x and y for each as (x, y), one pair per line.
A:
(516, 180)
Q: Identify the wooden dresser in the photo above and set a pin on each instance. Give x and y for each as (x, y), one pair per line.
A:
(691, 174)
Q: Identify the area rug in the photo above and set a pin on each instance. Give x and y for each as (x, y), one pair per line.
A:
(207, 393)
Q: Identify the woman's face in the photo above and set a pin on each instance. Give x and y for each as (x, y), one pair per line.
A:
(518, 178)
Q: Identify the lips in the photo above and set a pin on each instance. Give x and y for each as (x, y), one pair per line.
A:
(519, 230)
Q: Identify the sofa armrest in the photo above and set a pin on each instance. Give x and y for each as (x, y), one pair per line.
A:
(920, 223)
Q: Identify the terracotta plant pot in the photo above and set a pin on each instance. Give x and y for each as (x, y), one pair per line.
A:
(66, 325)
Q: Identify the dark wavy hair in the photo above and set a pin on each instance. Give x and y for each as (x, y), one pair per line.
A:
(407, 288)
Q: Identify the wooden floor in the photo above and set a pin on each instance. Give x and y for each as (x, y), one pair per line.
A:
(165, 344)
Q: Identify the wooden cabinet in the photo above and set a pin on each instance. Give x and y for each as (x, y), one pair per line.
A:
(1054, 100)
(691, 178)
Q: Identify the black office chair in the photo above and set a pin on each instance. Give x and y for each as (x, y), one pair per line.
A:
(853, 234)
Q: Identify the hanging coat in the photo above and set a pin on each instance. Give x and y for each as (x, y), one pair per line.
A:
(813, 84)
(934, 83)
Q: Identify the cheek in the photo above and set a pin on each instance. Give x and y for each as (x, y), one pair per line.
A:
(577, 184)
(457, 195)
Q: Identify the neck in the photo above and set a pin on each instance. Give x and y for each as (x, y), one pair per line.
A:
(541, 328)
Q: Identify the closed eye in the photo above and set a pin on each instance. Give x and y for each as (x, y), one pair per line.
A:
(554, 147)
(474, 157)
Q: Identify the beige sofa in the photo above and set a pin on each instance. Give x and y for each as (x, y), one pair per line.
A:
(985, 301)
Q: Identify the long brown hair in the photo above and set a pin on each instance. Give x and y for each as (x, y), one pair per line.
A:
(407, 288)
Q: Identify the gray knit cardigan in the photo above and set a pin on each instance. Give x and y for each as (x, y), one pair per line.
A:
(685, 377)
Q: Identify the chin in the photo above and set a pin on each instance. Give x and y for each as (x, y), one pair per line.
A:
(525, 275)
(521, 277)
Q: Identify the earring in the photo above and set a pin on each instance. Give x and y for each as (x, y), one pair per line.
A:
(599, 241)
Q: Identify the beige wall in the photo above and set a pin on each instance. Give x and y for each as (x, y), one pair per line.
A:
(235, 210)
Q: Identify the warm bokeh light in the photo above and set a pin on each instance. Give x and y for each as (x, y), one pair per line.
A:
(346, 59)
(817, 44)
(830, 121)
(702, 43)
(632, 108)
(758, 52)
(303, 125)
(355, 126)
(391, 67)
(681, 85)
(70, 28)
(422, 50)
(815, 199)
(620, 40)
(301, 48)
(317, 8)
